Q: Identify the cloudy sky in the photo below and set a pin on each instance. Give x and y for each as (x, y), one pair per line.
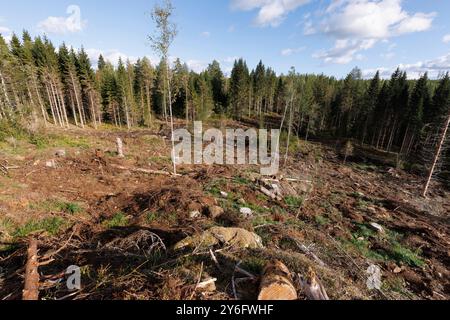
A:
(314, 36)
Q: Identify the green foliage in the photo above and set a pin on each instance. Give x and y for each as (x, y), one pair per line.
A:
(118, 220)
(57, 206)
(42, 141)
(362, 241)
(321, 220)
(294, 202)
(51, 225)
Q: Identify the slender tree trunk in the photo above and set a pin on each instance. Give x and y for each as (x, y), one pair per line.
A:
(50, 100)
(77, 99)
(171, 121)
(94, 117)
(5, 92)
(437, 155)
(41, 104)
(149, 104)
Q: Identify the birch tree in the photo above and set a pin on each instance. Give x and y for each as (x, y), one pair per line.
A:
(166, 32)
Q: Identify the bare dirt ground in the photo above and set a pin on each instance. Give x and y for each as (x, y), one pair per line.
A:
(120, 225)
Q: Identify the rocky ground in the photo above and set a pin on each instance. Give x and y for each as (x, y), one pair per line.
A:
(207, 233)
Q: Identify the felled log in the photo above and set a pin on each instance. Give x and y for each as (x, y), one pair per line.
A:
(31, 290)
(276, 283)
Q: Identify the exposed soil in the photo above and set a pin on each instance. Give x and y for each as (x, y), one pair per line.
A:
(120, 225)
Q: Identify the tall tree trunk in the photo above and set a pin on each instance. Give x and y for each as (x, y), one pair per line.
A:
(77, 99)
(50, 100)
(149, 104)
(437, 155)
(171, 122)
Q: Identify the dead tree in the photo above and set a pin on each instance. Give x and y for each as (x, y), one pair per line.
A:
(437, 155)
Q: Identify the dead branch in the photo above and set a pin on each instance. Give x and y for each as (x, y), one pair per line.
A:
(31, 291)
(140, 170)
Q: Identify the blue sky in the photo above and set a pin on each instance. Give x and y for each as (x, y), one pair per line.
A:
(314, 36)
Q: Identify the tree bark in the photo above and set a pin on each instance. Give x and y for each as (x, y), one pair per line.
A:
(31, 290)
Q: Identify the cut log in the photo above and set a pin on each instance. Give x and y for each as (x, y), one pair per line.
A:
(276, 283)
(31, 291)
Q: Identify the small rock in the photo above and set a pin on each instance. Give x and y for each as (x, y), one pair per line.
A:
(50, 164)
(195, 214)
(208, 285)
(60, 153)
(398, 270)
(377, 227)
(215, 212)
(246, 212)
(224, 194)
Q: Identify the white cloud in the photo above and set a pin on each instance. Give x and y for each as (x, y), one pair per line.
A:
(206, 34)
(308, 28)
(356, 23)
(446, 38)
(345, 51)
(61, 25)
(6, 33)
(197, 65)
(291, 51)
(111, 56)
(434, 67)
(271, 12)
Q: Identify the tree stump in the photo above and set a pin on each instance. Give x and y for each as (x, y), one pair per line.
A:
(276, 283)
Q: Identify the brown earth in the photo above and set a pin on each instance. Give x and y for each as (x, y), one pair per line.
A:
(120, 225)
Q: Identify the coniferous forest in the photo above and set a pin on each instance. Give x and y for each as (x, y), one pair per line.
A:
(61, 87)
(93, 205)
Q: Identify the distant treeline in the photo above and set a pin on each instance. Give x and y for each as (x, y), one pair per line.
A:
(63, 88)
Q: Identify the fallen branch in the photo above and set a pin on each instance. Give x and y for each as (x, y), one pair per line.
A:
(140, 170)
(270, 194)
(31, 291)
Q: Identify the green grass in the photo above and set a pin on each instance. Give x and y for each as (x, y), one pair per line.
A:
(242, 181)
(254, 265)
(294, 202)
(395, 251)
(321, 220)
(216, 186)
(51, 225)
(151, 217)
(118, 220)
(57, 206)
(42, 141)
